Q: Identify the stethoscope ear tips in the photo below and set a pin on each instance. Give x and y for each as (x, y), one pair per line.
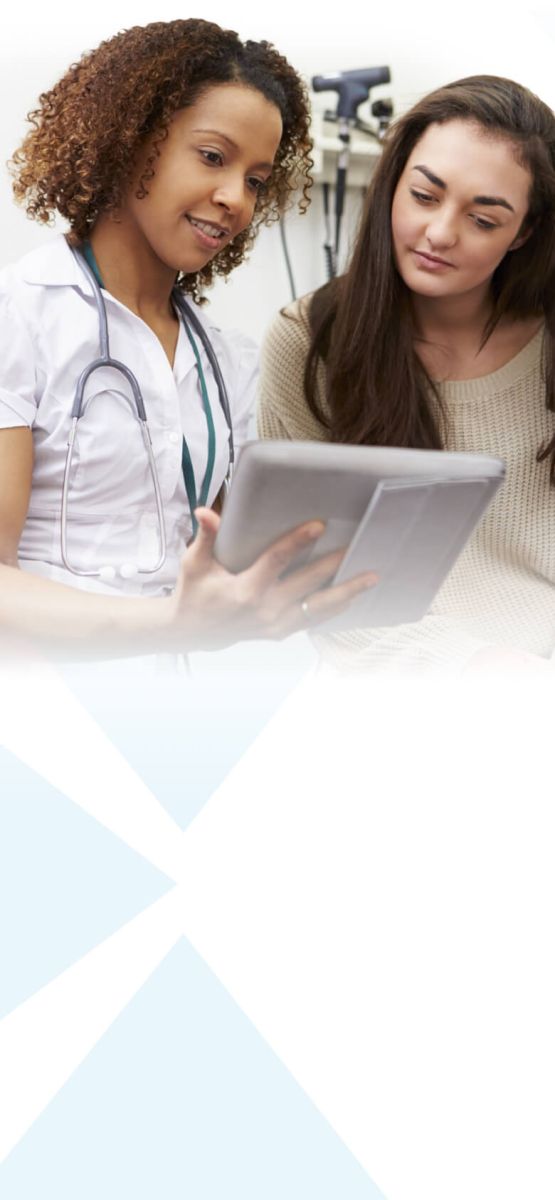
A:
(129, 570)
(107, 574)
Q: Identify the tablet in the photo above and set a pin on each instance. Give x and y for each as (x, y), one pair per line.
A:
(403, 513)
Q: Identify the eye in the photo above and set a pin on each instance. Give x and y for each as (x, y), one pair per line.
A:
(483, 224)
(214, 158)
(422, 197)
(257, 185)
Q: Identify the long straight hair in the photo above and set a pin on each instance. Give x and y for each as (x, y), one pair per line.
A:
(378, 391)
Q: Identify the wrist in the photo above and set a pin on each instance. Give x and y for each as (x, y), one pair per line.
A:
(149, 622)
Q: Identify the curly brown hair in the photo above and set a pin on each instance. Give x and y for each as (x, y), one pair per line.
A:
(79, 157)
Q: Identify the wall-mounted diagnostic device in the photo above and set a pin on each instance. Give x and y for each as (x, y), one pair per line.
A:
(342, 135)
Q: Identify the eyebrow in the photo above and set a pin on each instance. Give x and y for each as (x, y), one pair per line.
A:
(491, 201)
(265, 166)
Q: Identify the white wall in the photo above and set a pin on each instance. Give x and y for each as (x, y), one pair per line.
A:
(424, 44)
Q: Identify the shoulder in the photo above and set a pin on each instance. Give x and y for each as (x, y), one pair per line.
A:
(290, 330)
(25, 324)
(283, 410)
(41, 293)
(305, 324)
(286, 346)
(28, 285)
(51, 263)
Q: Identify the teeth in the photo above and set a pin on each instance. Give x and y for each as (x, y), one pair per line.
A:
(210, 230)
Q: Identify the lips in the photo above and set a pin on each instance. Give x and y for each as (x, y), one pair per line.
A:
(432, 258)
(209, 228)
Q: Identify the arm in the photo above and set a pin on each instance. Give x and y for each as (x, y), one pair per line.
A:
(56, 616)
(209, 608)
(16, 468)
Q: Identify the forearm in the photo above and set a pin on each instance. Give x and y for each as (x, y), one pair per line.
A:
(70, 623)
(209, 608)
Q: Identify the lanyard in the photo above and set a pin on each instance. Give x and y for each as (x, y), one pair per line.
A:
(186, 461)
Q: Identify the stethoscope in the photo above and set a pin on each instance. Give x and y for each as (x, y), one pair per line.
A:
(189, 318)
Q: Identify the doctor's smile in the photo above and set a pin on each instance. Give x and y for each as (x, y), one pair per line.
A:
(208, 234)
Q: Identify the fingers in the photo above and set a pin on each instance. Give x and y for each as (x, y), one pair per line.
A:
(258, 602)
(333, 600)
(311, 577)
(201, 551)
(271, 564)
(321, 606)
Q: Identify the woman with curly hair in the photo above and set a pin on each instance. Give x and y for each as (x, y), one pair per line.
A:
(441, 334)
(164, 149)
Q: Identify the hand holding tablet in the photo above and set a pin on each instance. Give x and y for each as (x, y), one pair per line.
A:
(404, 514)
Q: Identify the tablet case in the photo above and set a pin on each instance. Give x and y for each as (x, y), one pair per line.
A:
(403, 513)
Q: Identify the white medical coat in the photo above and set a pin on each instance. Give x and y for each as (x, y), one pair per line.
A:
(48, 334)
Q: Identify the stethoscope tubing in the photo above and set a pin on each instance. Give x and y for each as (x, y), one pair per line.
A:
(105, 360)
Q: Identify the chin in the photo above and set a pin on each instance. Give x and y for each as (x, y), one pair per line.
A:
(192, 268)
(185, 263)
(424, 285)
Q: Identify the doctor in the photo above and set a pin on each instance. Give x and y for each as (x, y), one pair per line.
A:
(164, 149)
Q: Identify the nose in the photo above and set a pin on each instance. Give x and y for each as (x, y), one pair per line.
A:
(232, 193)
(442, 230)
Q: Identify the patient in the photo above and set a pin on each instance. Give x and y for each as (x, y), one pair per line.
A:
(440, 335)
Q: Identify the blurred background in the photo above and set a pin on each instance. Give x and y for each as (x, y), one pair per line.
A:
(424, 45)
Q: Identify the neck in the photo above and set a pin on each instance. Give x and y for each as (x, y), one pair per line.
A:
(462, 318)
(130, 270)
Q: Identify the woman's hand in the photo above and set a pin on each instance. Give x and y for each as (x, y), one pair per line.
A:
(212, 607)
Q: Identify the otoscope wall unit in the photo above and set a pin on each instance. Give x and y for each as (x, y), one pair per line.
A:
(346, 146)
(363, 153)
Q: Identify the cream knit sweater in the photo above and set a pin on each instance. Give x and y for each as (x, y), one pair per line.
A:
(501, 589)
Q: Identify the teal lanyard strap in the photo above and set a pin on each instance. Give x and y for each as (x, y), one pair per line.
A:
(187, 466)
(89, 255)
(186, 461)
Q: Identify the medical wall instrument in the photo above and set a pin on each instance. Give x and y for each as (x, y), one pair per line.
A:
(353, 88)
(190, 321)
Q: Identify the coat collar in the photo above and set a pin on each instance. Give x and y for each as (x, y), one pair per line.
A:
(53, 265)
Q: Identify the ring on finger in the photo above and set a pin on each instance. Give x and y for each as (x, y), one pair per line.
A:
(305, 611)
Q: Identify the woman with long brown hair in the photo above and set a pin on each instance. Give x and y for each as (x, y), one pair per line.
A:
(440, 334)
